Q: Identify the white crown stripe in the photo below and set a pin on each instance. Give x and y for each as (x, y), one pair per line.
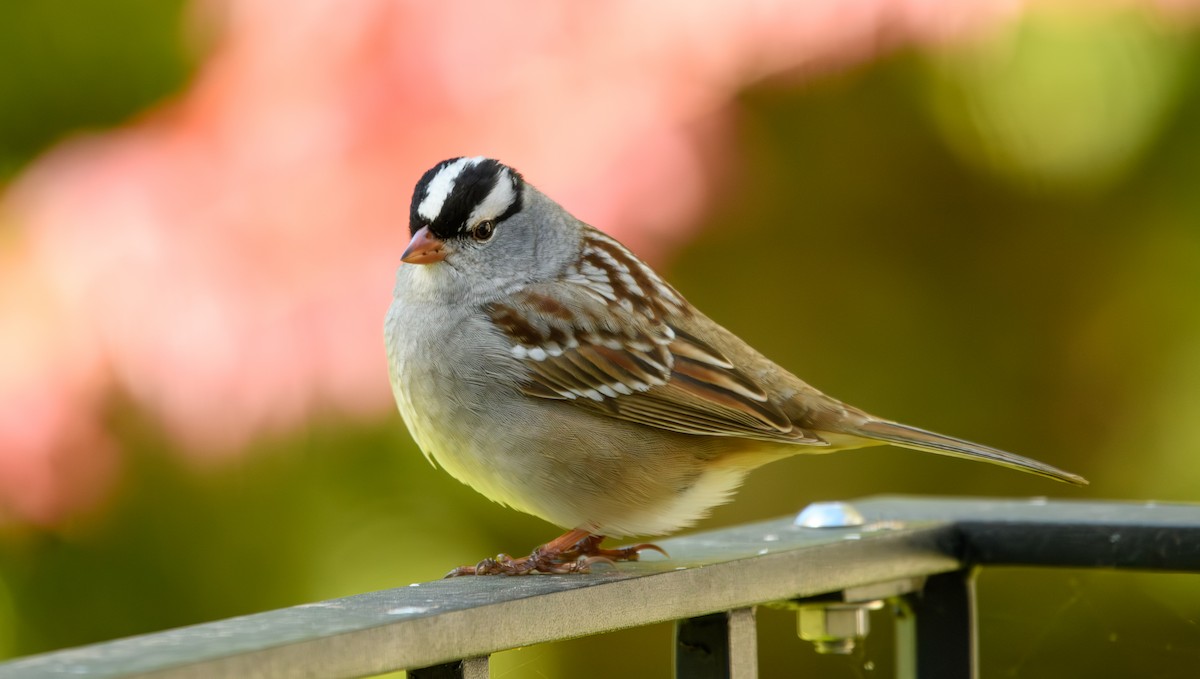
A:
(442, 185)
(439, 189)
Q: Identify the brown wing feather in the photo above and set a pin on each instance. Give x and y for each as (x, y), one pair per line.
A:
(652, 373)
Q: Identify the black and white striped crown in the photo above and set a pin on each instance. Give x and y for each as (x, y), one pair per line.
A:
(458, 193)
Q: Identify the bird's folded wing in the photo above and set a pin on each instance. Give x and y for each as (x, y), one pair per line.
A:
(636, 365)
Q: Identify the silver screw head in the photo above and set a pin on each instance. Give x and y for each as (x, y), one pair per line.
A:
(829, 515)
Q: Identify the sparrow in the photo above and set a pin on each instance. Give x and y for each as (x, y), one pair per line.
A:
(540, 362)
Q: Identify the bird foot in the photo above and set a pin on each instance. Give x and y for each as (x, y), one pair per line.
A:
(574, 552)
(590, 547)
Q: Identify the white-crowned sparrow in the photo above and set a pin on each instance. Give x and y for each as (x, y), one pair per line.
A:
(540, 362)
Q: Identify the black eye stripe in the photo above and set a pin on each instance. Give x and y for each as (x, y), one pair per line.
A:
(515, 207)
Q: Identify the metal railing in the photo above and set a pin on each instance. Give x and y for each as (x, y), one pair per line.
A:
(833, 563)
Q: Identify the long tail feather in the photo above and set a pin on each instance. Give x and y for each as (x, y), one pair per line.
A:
(919, 439)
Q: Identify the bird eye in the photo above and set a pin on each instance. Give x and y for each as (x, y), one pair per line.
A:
(483, 230)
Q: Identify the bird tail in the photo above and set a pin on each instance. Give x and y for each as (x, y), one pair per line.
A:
(919, 439)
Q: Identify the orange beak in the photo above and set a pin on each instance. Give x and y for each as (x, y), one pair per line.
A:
(424, 248)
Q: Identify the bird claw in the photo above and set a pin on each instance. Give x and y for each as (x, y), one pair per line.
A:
(577, 558)
(501, 564)
(629, 553)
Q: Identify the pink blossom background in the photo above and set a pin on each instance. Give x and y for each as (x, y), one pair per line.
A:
(225, 260)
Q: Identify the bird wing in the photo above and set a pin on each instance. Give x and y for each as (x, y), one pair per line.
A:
(635, 362)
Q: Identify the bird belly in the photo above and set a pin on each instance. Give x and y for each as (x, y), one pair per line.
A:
(574, 471)
(552, 459)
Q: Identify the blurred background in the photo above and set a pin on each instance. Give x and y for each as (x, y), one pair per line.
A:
(982, 218)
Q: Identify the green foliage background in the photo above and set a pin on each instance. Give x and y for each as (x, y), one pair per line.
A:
(999, 241)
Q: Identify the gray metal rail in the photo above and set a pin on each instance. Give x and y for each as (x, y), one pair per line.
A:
(919, 552)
